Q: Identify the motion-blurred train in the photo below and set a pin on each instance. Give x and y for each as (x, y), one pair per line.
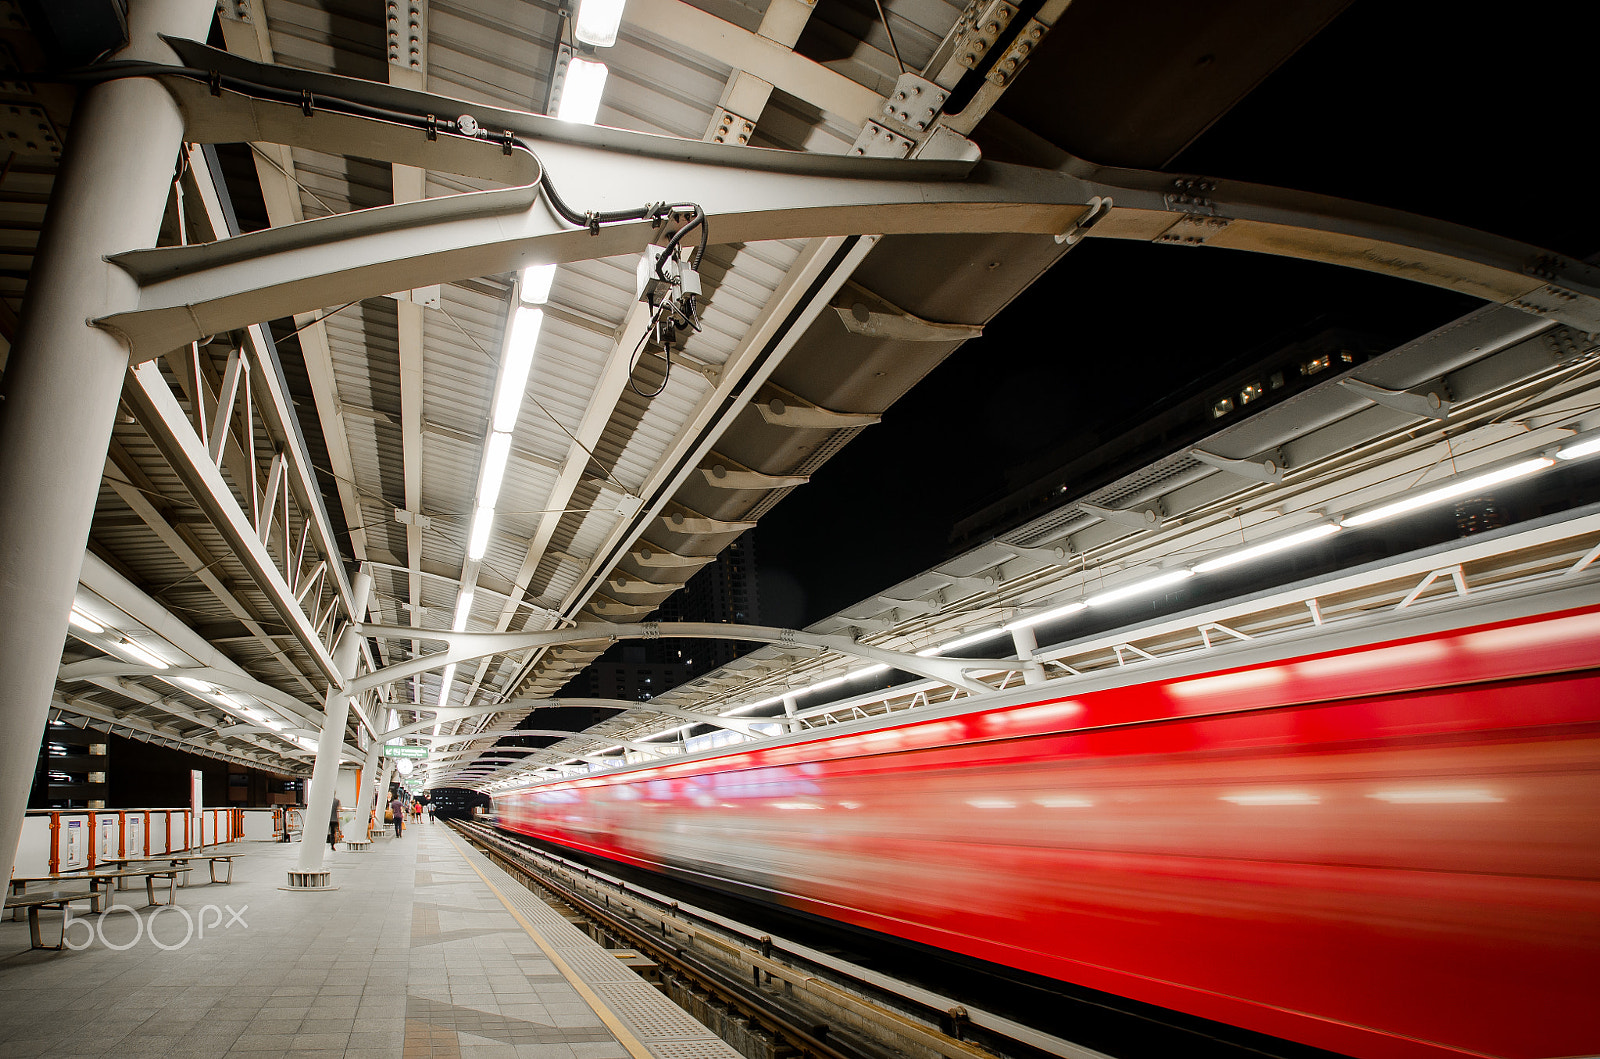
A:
(1384, 844)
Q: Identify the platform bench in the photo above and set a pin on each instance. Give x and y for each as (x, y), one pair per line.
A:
(50, 899)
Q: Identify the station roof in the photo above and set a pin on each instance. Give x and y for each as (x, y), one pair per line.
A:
(253, 469)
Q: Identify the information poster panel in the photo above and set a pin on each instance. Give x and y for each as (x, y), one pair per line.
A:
(74, 848)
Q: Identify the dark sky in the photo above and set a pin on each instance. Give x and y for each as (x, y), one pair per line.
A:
(1402, 105)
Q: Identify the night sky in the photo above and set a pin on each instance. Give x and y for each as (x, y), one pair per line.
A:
(1401, 105)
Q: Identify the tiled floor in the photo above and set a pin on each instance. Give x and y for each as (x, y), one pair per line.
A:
(426, 949)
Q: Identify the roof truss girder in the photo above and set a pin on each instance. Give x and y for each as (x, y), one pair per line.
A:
(188, 292)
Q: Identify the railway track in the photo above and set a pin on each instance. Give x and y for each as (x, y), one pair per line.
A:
(767, 997)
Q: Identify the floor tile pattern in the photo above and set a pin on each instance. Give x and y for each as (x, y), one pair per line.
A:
(412, 957)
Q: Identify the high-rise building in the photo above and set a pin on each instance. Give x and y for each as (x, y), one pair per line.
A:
(724, 592)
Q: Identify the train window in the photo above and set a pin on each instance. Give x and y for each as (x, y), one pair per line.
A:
(1222, 408)
(1316, 364)
(1250, 393)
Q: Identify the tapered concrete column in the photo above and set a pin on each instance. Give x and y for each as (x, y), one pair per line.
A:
(369, 784)
(1026, 643)
(385, 780)
(64, 376)
(308, 872)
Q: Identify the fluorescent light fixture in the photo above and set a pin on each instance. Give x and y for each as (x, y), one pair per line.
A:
(445, 680)
(1139, 588)
(478, 543)
(525, 326)
(581, 91)
(598, 21)
(229, 700)
(142, 654)
(535, 286)
(84, 622)
(463, 610)
(1256, 551)
(1450, 490)
(1576, 451)
(192, 684)
(494, 468)
(960, 642)
(1054, 612)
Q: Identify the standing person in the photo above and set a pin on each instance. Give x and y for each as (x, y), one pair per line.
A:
(398, 809)
(430, 812)
(333, 824)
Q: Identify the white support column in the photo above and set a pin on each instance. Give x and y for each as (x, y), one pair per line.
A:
(64, 376)
(369, 784)
(383, 784)
(308, 873)
(791, 706)
(1023, 639)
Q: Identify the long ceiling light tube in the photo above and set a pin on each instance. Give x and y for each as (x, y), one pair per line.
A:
(142, 654)
(495, 457)
(585, 83)
(1140, 587)
(478, 542)
(84, 622)
(1578, 449)
(1271, 547)
(536, 283)
(463, 610)
(1449, 491)
(526, 322)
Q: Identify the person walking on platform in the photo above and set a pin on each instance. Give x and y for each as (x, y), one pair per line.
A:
(398, 809)
(333, 825)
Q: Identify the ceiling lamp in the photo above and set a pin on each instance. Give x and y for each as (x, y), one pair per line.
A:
(598, 21)
(581, 91)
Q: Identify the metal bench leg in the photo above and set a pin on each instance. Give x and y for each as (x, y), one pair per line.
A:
(33, 930)
(150, 889)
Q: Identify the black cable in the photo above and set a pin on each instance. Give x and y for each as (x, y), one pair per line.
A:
(136, 68)
(429, 123)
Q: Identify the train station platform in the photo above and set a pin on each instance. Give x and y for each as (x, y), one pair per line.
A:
(426, 949)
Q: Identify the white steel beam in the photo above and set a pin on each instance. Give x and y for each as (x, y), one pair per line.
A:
(200, 566)
(149, 395)
(769, 58)
(244, 30)
(190, 292)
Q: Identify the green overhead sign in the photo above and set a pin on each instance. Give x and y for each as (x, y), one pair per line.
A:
(401, 750)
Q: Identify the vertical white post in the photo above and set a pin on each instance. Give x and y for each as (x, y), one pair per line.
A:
(369, 784)
(64, 375)
(308, 872)
(790, 706)
(1026, 643)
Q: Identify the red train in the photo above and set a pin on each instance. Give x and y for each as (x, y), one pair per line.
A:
(1390, 849)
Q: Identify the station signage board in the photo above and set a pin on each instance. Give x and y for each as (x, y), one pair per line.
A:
(401, 750)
